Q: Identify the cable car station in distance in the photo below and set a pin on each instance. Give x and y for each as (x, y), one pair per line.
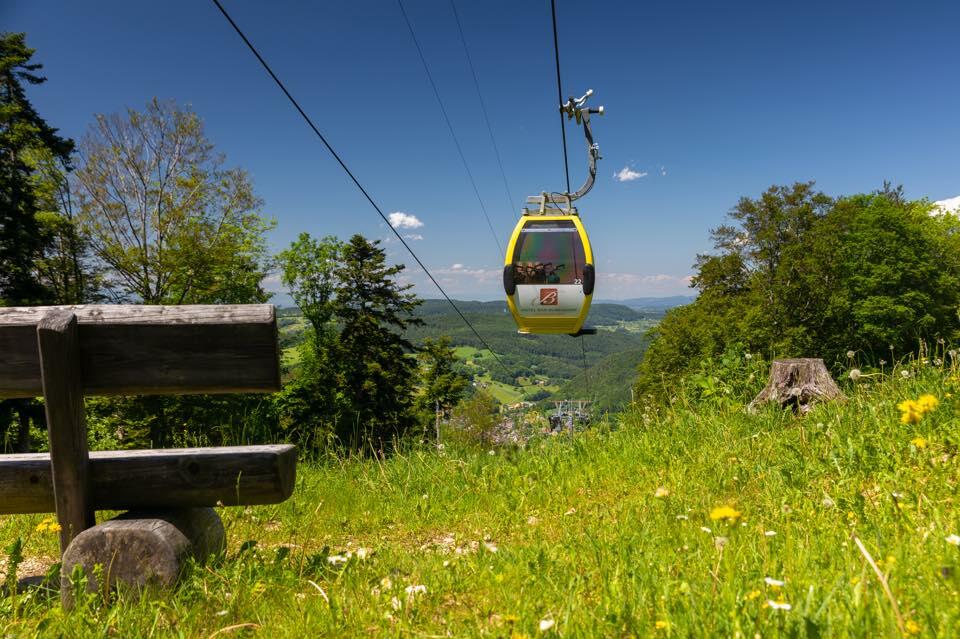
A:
(549, 272)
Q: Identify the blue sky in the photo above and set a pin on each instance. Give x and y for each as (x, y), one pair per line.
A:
(711, 101)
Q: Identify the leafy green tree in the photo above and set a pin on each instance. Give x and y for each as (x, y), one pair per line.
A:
(170, 222)
(376, 373)
(309, 404)
(66, 267)
(307, 270)
(475, 420)
(802, 275)
(443, 386)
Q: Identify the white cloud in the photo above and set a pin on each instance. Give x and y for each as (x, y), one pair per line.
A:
(626, 174)
(415, 237)
(457, 267)
(401, 220)
(663, 170)
(950, 205)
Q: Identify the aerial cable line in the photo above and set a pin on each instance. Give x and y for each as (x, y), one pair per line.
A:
(563, 128)
(356, 182)
(446, 119)
(483, 106)
(566, 164)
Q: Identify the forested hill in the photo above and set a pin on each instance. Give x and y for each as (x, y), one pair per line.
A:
(539, 366)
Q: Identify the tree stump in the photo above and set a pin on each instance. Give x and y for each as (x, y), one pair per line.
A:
(798, 383)
(141, 549)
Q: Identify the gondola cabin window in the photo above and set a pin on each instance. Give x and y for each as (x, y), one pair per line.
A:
(549, 252)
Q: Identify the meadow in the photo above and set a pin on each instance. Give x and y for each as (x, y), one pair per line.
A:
(695, 518)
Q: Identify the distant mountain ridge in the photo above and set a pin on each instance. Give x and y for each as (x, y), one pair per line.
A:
(652, 303)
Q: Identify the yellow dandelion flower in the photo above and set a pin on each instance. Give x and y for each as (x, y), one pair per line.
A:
(726, 513)
(910, 412)
(753, 594)
(927, 403)
(919, 442)
(661, 624)
(912, 627)
(48, 525)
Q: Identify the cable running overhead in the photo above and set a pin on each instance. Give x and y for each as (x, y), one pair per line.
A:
(353, 178)
(566, 164)
(483, 106)
(446, 119)
(556, 55)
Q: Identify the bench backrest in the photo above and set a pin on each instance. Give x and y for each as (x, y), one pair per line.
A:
(141, 350)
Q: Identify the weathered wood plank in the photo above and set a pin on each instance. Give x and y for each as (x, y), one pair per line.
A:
(57, 338)
(140, 350)
(170, 478)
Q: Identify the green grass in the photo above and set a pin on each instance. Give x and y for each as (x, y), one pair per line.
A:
(570, 530)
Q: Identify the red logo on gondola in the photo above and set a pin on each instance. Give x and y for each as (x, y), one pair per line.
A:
(548, 297)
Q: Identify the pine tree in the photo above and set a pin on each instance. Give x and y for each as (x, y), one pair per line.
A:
(376, 372)
(21, 130)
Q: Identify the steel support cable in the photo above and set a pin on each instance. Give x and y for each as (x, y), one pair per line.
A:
(446, 119)
(556, 56)
(353, 178)
(483, 106)
(566, 164)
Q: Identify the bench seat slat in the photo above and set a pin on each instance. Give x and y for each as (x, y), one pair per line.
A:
(168, 478)
(148, 350)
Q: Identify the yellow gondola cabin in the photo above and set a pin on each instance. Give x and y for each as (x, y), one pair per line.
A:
(548, 274)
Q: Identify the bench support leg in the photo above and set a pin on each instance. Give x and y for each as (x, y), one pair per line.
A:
(59, 343)
(141, 550)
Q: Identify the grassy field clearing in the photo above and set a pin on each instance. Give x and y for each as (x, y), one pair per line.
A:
(701, 520)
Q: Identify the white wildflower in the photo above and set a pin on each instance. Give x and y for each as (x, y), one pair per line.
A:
(682, 517)
(546, 624)
(771, 533)
(828, 503)
(336, 560)
(661, 492)
(748, 356)
(362, 553)
(850, 354)
(938, 362)
(779, 605)
(953, 539)
(414, 590)
(855, 374)
(776, 583)
(705, 529)
(491, 452)
(395, 603)
(883, 362)
(904, 374)
(490, 546)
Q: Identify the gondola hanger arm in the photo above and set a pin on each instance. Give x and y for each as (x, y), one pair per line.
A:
(577, 109)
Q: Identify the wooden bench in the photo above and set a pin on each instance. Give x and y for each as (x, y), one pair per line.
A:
(66, 352)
